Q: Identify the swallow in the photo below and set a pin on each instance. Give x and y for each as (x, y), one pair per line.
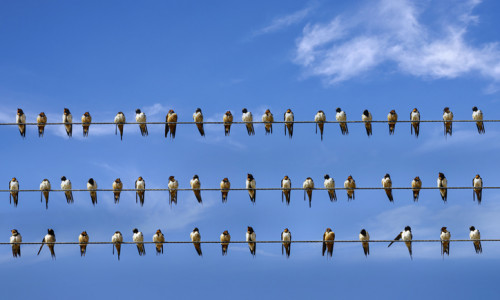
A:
(225, 238)
(86, 120)
(117, 189)
(138, 238)
(119, 122)
(41, 120)
(477, 115)
(448, 121)
(392, 118)
(45, 188)
(159, 239)
(476, 236)
(286, 238)
(198, 118)
(228, 120)
(407, 237)
(342, 117)
(66, 186)
(250, 185)
(117, 240)
(320, 119)
(477, 183)
(445, 241)
(387, 185)
(225, 185)
(248, 119)
(415, 121)
(196, 238)
(350, 185)
(92, 187)
(140, 117)
(14, 191)
(49, 239)
(140, 187)
(330, 185)
(15, 239)
(328, 242)
(286, 185)
(364, 237)
(308, 187)
(288, 118)
(367, 118)
(268, 119)
(251, 238)
(21, 121)
(83, 239)
(196, 185)
(172, 190)
(171, 119)
(416, 185)
(442, 183)
(67, 119)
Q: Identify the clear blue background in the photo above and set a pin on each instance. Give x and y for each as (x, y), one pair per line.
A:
(105, 57)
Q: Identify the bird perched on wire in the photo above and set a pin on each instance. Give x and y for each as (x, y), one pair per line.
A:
(475, 235)
(196, 238)
(140, 117)
(117, 240)
(225, 185)
(86, 120)
(387, 185)
(14, 191)
(350, 185)
(159, 239)
(320, 119)
(415, 122)
(171, 119)
(44, 189)
(92, 187)
(268, 119)
(328, 242)
(119, 122)
(195, 186)
(342, 117)
(407, 237)
(41, 120)
(49, 239)
(198, 118)
(66, 186)
(140, 187)
(251, 238)
(442, 183)
(416, 185)
(445, 241)
(392, 118)
(286, 238)
(250, 185)
(248, 119)
(173, 184)
(286, 185)
(477, 183)
(477, 115)
(83, 239)
(225, 238)
(138, 238)
(367, 118)
(15, 241)
(364, 237)
(117, 189)
(448, 121)
(21, 122)
(228, 120)
(288, 118)
(329, 184)
(67, 119)
(308, 187)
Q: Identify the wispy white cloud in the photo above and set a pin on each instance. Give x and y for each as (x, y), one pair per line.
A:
(285, 21)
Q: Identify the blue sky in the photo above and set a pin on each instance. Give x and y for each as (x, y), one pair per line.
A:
(304, 55)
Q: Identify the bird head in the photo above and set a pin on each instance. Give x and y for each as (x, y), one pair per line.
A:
(474, 108)
(244, 110)
(84, 233)
(171, 178)
(196, 229)
(338, 109)
(135, 230)
(446, 110)
(443, 229)
(91, 181)
(472, 228)
(198, 110)
(66, 111)
(408, 228)
(63, 178)
(158, 232)
(363, 232)
(137, 111)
